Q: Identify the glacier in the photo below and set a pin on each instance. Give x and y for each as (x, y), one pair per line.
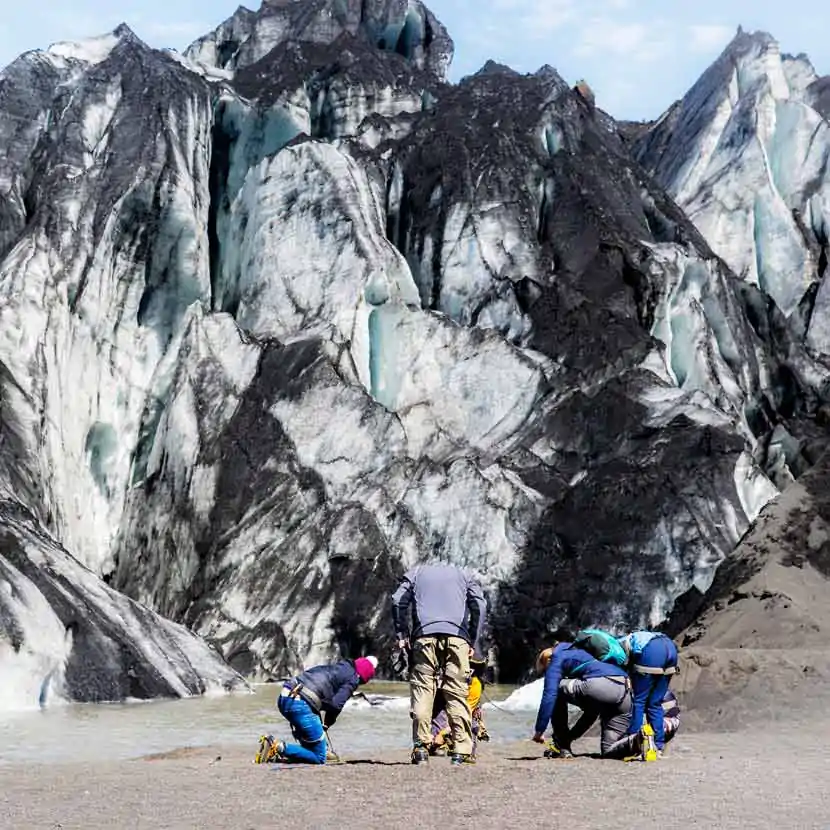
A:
(286, 314)
(66, 635)
(403, 27)
(745, 154)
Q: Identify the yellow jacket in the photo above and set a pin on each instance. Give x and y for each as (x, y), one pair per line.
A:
(474, 694)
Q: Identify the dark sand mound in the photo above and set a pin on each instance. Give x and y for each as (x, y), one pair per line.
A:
(756, 645)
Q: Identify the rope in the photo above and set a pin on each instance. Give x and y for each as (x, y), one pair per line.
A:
(496, 705)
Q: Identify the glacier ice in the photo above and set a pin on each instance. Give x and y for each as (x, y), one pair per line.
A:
(90, 318)
(325, 273)
(745, 154)
(286, 315)
(486, 389)
(524, 699)
(407, 29)
(90, 50)
(69, 636)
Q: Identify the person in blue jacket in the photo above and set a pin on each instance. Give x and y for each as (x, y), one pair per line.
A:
(311, 703)
(574, 676)
(652, 662)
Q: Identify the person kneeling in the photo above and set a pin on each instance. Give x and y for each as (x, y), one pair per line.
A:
(602, 690)
(311, 703)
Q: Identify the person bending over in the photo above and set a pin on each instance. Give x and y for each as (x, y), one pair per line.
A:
(439, 611)
(311, 703)
(601, 690)
(652, 663)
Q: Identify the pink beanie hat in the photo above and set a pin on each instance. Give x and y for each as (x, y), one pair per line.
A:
(365, 668)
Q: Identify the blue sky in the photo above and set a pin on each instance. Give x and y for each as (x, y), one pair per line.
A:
(638, 55)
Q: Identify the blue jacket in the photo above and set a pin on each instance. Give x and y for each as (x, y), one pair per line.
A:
(567, 663)
(333, 684)
(635, 643)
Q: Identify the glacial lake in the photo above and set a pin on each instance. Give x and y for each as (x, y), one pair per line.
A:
(90, 732)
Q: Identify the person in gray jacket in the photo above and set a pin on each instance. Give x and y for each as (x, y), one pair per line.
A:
(439, 612)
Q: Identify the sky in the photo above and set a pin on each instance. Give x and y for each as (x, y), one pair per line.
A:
(638, 55)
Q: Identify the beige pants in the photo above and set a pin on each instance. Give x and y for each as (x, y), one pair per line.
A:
(441, 662)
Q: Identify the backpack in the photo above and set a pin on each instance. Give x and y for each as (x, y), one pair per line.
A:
(601, 645)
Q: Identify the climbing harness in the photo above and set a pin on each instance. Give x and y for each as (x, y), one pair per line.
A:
(304, 693)
(651, 670)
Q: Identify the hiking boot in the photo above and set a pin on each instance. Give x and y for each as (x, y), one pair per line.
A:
(556, 752)
(437, 750)
(420, 755)
(649, 748)
(265, 744)
(636, 748)
(270, 751)
(278, 751)
(458, 760)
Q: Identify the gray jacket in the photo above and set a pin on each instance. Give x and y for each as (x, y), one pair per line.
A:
(442, 599)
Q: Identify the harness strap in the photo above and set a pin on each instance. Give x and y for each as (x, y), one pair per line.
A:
(304, 693)
(650, 670)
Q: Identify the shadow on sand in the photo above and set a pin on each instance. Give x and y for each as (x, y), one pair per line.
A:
(585, 755)
(354, 761)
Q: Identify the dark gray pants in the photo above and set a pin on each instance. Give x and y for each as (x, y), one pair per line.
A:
(629, 745)
(606, 698)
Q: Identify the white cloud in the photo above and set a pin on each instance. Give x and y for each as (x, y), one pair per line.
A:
(706, 37)
(538, 17)
(637, 42)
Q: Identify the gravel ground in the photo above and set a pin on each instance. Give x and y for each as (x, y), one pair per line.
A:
(775, 778)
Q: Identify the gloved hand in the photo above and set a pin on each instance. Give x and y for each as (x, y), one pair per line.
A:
(400, 663)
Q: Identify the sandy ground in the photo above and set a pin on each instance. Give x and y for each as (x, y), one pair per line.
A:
(742, 780)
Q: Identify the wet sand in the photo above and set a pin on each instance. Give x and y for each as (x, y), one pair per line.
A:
(726, 780)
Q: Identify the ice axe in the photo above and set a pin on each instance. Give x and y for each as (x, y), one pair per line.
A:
(331, 755)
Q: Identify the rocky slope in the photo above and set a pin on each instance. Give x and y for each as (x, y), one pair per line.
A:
(755, 644)
(745, 154)
(285, 315)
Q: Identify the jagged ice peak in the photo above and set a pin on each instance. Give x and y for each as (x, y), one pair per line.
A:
(405, 27)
